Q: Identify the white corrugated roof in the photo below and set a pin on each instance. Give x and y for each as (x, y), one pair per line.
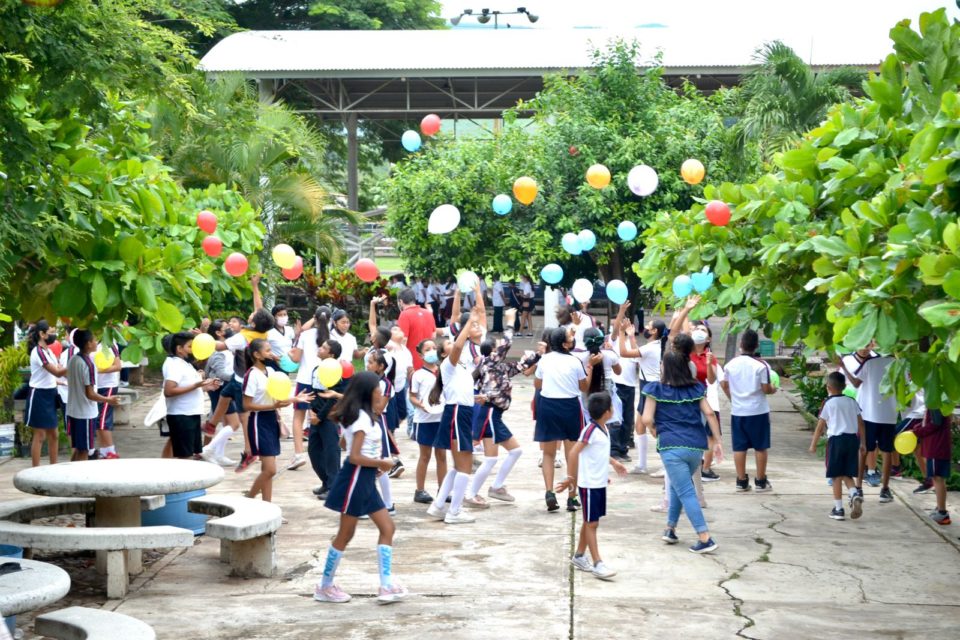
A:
(505, 51)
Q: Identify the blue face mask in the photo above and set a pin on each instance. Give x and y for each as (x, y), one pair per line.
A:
(430, 357)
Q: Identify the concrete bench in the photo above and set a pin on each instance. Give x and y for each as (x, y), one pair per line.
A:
(115, 541)
(246, 529)
(29, 509)
(84, 623)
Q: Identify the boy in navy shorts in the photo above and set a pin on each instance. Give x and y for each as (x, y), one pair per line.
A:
(937, 447)
(590, 456)
(840, 416)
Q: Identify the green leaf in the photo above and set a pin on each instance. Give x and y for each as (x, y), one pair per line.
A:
(831, 246)
(886, 333)
(169, 316)
(944, 314)
(951, 237)
(76, 186)
(907, 319)
(846, 136)
(69, 298)
(146, 294)
(98, 291)
(937, 171)
(86, 165)
(951, 284)
(862, 331)
(130, 250)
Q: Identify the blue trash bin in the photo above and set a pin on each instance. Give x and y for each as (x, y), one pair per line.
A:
(175, 513)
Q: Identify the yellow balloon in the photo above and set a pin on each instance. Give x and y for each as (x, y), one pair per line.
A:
(598, 176)
(279, 386)
(329, 372)
(103, 359)
(692, 171)
(203, 346)
(905, 442)
(525, 189)
(284, 256)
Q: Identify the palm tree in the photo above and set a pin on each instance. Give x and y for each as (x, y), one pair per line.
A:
(784, 97)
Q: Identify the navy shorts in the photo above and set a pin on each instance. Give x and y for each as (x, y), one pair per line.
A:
(558, 419)
(938, 468)
(41, 409)
(354, 491)
(594, 503)
(843, 455)
(391, 413)
(234, 391)
(401, 399)
(879, 436)
(455, 429)
(425, 433)
(105, 415)
(81, 432)
(185, 436)
(303, 406)
(215, 398)
(750, 432)
(263, 432)
(488, 423)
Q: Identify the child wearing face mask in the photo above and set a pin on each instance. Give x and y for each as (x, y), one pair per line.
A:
(710, 374)
(426, 418)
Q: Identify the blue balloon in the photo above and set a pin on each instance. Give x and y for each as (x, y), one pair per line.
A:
(587, 240)
(570, 243)
(502, 204)
(617, 291)
(682, 286)
(410, 140)
(627, 231)
(288, 365)
(552, 273)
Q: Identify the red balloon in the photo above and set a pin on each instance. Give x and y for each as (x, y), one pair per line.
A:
(718, 213)
(236, 264)
(295, 271)
(347, 369)
(573, 150)
(56, 349)
(212, 246)
(430, 124)
(366, 269)
(207, 221)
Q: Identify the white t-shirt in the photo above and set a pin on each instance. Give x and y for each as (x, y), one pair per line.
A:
(841, 413)
(404, 362)
(526, 289)
(110, 380)
(236, 342)
(421, 384)
(918, 406)
(650, 354)
(309, 360)
(63, 387)
(81, 374)
(594, 467)
(457, 382)
(745, 375)
(280, 341)
(418, 292)
(372, 437)
(348, 344)
(40, 378)
(713, 391)
(184, 375)
(629, 369)
(498, 294)
(255, 386)
(851, 362)
(586, 322)
(875, 406)
(561, 374)
(610, 358)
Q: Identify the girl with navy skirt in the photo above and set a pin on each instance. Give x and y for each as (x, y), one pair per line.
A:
(354, 491)
(426, 418)
(41, 411)
(263, 423)
(455, 432)
(561, 379)
(377, 363)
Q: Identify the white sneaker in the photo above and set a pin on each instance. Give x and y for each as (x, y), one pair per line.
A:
(582, 562)
(333, 593)
(391, 594)
(437, 512)
(208, 456)
(224, 461)
(297, 461)
(659, 473)
(638, 469)
(500, 494)
(603, 572)
(659, 508)
(458, 518)
(556, 463)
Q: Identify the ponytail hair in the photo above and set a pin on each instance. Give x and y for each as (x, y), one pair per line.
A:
(558, 340)
(255, 345)
(33, 336)
(389, 368)
(321, 318)
(437, 391)
(357, 397)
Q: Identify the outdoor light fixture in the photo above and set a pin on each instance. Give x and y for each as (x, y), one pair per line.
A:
(485, 14)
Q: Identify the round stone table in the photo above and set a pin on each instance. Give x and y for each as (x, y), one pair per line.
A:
(36, 585)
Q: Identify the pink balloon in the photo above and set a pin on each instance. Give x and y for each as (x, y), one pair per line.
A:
(212, 246)
(295, 271)
(366, 269)
(430, 124)
(207, 221)
(236, 264)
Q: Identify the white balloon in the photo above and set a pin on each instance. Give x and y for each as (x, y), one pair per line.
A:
(642, 180)
(582, 290)
(467, 281)
(444, 219)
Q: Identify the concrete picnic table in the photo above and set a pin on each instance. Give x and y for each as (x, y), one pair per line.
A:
(118, 485)
(36, 585)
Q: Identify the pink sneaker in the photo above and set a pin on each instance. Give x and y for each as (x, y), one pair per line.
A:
(394, 593)
(333, 593)
(111, 456)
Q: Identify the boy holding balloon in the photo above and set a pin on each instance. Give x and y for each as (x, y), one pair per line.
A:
(936, 446)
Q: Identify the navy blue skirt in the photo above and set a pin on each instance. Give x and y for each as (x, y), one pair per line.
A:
(455, 432)
(41, 409)
(263, 431)
(392, 414)
(215, 398)
(488, 423)
(558, 419)
(425, 433)
(354, 491)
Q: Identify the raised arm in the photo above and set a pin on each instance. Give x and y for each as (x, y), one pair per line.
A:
(455, 309)
(255, 284)
(676, 324)
(372, 317)
(461, 340)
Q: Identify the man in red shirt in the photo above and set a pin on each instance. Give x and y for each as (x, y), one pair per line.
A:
(416, 323)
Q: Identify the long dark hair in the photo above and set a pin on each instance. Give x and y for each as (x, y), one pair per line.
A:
(389, 369)
(558, 340)
(683, 344)
(321, 321)
(357, 397)
(437, 391)
(248, 360)
(675, 370)
(37, 330)
(598, 377)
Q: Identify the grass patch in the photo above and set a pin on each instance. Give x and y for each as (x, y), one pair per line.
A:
(390, 265)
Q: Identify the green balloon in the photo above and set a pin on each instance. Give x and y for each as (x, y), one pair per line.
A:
(775, 379)
(850, 392)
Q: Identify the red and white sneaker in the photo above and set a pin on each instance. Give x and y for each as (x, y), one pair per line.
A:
(111, 456)
(209, 428)
(391, 594)
(333, 593)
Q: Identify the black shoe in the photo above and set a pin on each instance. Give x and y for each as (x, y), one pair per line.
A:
(762, 484)
(321, 489)
(625, 458)
(422, 497)
(709, 475)
(860, 491)
(743, 484)
(323, 494)
(552, 504)
(573, 504)
(925, 487)
(885, 495)
(837, 514)
(397, 469)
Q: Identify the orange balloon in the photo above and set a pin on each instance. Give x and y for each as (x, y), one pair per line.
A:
(525, 189)
(692, 171)
(598, 176)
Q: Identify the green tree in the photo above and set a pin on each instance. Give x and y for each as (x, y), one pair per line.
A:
(853, 236)
(337, 14)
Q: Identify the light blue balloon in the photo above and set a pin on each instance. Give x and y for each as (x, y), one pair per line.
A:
(587, 240)
(502, 204)
(682, 286)
(570, 243)
(410, 140)
(552, 273)
(627, 231)
(702, 281)
(617, 291)
(288, 365)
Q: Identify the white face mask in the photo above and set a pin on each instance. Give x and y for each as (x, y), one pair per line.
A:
(282, 321)
(699, 337)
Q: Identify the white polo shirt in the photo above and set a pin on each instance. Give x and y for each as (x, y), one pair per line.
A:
(560, 374)
(183, 374)
(40, 378)
(745, 375)
(421, 384)
(255, 387)
(371, 447)
(840, 413)
(457, 382)
(594, 468)
(875, 406)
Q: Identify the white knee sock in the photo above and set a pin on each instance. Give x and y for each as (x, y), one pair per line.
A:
(481, 475)
(512, 456)
(385, 490)
(640, 441)
(445, 489)
(219, 443)
(460, 483)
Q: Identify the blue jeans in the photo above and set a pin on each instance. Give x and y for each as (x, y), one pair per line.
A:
(680, 465)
